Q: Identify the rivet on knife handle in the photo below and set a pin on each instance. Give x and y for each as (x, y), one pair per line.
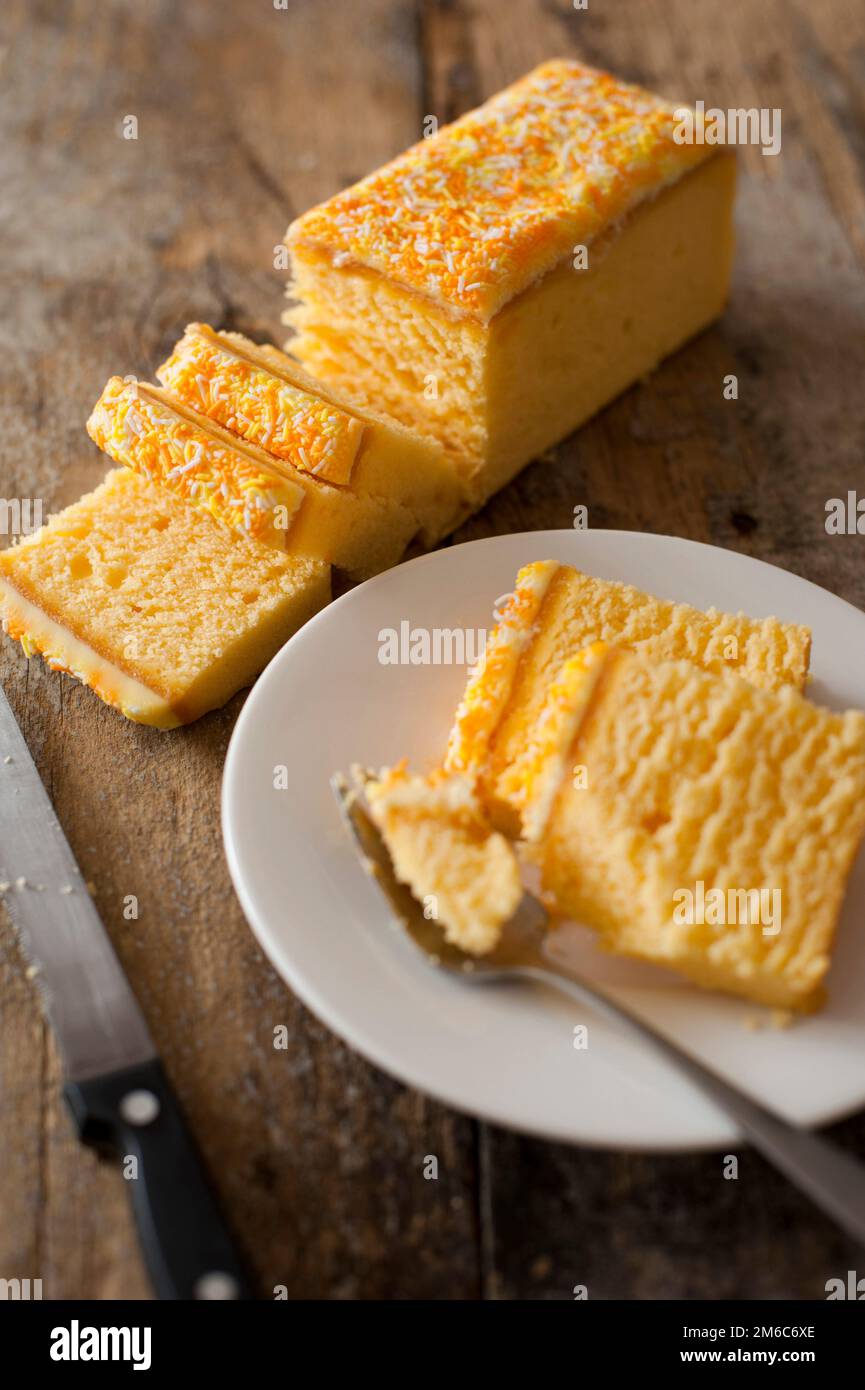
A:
(187, 1246)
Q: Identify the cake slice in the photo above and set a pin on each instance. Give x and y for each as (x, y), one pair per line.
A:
(159, 610)
(464, 874)
(241, 486)
(501, 281)
(555, 611)
(262, 396)
(696, 820)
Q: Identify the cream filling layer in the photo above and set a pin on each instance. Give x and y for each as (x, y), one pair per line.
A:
(63, 651)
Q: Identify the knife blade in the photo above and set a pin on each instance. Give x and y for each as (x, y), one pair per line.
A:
(116, 1089)
(90, 1005)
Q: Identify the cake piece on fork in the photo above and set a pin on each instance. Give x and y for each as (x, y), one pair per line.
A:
(463, 873)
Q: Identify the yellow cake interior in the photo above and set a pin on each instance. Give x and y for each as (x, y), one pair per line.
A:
(463, 873)
(161, 611)
(555, 611)
(664, 771)
(694, 820)
(676, 782)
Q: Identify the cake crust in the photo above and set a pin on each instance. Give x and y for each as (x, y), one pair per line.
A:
(505, 192)
(230, 382)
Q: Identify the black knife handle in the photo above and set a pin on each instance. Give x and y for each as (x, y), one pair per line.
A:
(186, 1244)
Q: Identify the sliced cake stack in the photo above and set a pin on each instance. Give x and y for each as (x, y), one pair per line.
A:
(461, 309)
(247, 436)
(173, 584)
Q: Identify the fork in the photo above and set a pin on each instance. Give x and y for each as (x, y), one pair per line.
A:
(833, 1179)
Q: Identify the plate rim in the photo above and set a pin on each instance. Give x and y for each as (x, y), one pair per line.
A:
(308, 991)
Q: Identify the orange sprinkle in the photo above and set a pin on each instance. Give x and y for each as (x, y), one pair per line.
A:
(167, 448)
(242, 396)
(490, 684)
(477, 212)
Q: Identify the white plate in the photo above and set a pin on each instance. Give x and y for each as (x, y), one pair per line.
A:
(506, 1053)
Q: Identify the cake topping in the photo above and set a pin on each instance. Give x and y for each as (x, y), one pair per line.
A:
(477, 212)
(490, 684)
(218, 380)
(134, 426)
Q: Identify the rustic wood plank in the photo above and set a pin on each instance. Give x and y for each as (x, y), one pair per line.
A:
(111, 247)
(637, 1226)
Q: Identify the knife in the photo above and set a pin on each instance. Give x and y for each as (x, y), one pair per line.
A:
(116, 1089)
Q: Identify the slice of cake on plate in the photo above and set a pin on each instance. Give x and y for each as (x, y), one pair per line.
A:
(499, 282)
(158, 609)
(697, 821)
(555, 611)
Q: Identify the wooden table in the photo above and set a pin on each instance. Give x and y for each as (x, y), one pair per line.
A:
(247, 114)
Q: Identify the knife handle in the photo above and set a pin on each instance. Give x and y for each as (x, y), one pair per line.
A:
(187, 1246)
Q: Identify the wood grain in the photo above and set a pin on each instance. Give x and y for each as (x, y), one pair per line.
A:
(247, 114)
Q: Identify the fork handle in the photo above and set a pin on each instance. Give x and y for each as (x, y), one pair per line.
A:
(834, 1180)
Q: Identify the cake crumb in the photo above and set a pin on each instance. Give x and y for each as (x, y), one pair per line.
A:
(781, 1018)
(752, 1023)
(20, 884)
